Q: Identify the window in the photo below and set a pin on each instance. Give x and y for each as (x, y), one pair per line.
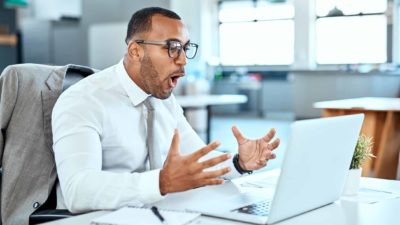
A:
(351, 31)
(256, 33)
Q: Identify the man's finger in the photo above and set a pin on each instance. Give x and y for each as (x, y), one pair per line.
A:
(239, 137)
(268, 137)
(204, 151)
(262, 163)
(214, 161)
(265, 154)
(274, 144)
(212, 182)
(174, 149)
(215, 173)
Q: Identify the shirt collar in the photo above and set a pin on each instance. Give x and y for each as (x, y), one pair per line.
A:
(134, 92)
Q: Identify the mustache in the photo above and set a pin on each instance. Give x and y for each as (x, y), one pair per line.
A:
(181, 70)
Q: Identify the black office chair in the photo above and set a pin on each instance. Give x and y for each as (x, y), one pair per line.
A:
(47, 211)
(75, 74)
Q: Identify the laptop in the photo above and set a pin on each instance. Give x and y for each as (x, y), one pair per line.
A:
(313, 173)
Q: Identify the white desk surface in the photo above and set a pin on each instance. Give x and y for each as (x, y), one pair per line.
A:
(199, 101)
(367, 103)
(341, 212)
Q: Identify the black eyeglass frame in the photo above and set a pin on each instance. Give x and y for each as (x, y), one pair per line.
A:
(168, 43)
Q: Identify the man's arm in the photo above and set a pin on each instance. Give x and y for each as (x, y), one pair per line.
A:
(185, 172)
(77, 131)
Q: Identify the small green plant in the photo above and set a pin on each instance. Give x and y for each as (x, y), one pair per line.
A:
(362, 152)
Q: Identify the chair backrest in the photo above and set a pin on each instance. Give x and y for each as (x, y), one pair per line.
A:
(73, 74)
(27, 94)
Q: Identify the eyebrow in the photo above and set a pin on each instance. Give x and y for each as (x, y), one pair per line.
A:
(175, 39)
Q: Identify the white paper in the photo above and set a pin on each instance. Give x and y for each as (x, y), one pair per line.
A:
(370, 196)
(132, 216)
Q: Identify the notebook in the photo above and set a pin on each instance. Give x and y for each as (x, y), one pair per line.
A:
(133, 215)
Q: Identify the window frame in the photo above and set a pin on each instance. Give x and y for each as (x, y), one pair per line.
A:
(305, 46)
(275, 66)
(389, 38)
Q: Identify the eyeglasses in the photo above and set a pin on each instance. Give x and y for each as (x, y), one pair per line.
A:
(175, 47)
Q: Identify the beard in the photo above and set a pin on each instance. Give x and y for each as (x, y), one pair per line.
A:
(151, 79)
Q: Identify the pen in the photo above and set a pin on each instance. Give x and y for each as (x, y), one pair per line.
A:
(158, 214)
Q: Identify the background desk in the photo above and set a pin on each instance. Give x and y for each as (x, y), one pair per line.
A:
(341, 212)
(382, 122)
(189, 102)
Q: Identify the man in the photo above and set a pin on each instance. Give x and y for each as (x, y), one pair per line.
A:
(102, 127)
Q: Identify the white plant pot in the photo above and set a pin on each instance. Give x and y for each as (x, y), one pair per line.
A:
(353, 182)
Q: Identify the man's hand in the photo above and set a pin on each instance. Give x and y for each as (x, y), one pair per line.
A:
(184, 172)
(254, 154)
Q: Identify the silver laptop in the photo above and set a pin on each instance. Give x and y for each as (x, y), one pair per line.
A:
(313, 174)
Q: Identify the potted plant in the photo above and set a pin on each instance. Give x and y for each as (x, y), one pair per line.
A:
(362, 152)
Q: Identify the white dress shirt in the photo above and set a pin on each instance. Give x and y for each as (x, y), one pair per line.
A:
(99, 135)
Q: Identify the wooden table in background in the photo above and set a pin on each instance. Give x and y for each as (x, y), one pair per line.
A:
(382, 122)
(8, 39)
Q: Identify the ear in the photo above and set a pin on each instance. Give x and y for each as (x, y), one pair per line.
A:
(135, 51)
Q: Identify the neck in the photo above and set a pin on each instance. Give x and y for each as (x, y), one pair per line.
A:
(133, 72)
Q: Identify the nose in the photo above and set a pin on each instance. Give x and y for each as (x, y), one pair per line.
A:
(181, 60)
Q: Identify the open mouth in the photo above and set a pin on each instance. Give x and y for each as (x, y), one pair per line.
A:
(173, 80)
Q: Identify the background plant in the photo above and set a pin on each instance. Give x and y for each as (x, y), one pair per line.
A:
(362, 152)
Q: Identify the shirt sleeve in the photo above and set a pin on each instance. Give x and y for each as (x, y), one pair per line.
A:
(191, 142)
(77, 133)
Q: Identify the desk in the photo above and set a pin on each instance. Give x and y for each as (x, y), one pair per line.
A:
(206, 101)
(340, 212)
(382, 122)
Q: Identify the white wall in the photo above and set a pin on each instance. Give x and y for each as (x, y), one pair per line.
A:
(304, 53)
(54, 9)
(70, 39)
(106, 44)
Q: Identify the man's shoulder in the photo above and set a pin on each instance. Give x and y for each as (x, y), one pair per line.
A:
(89, 91)
(76, 101)
(95, 82)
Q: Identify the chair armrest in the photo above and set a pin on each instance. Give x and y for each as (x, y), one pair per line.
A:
(48, 215)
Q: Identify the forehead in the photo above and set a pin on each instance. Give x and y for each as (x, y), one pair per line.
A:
(164, 28)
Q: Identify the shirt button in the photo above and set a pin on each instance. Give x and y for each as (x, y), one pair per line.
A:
(36, 205)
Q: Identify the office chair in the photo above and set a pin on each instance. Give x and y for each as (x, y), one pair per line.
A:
(47, 211)
(36, 77)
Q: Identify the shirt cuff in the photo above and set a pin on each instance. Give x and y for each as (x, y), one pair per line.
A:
(150, 186)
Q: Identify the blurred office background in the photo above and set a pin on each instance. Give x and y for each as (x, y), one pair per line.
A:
(284, 55)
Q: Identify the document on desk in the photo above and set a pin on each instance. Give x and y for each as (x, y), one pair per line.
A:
(370, 196)
(133, 215)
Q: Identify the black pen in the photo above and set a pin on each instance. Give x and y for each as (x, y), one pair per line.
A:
(158, 214)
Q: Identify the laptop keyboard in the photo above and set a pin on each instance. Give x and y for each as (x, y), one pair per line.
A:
(258, 209)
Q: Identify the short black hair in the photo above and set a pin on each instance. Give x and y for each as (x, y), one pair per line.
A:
(141, 20)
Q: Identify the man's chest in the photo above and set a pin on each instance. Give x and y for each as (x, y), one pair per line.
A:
(125, 133)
